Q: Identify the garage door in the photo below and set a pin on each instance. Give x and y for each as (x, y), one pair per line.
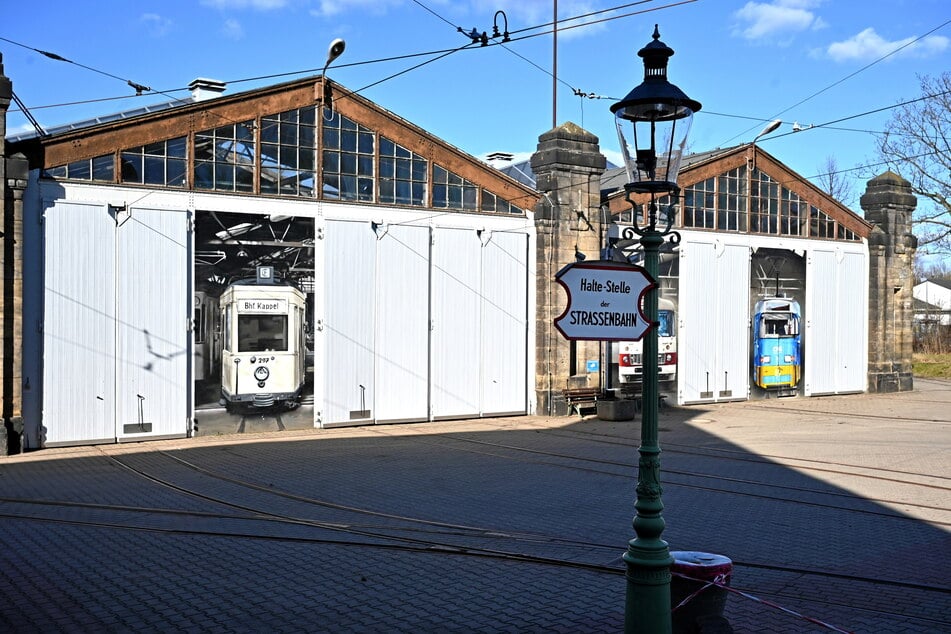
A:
(836, 329)
(713, 352)
(115, 329)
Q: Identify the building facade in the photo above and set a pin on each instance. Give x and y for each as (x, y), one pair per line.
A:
(424, 279)
(411, 256)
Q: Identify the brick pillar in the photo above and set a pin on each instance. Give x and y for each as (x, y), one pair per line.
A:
(888, 204)
(568, 165)
(13, 175)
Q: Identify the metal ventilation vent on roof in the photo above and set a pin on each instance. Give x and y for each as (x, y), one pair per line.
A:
(203, 88)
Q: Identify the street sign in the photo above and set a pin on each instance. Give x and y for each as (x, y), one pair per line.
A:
(604, 301)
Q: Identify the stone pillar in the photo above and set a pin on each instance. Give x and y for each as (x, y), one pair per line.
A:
(888, 203)
(568, 165)
(13, 177)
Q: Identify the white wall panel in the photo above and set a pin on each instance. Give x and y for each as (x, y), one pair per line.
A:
(456, 331)
(732, 332)
(79, 327)
(152, 274)
(853, 323)
(505, 323)
(697, 342)
(402, 324)
(348, 325)
(836, 338)
(713, 352)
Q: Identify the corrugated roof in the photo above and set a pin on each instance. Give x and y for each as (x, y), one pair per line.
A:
(521, 171)
(942, 282)
(614, 178)
(108, 118)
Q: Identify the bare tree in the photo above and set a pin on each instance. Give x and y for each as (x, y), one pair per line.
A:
(835, 182)
(915, 145)
(929, 269)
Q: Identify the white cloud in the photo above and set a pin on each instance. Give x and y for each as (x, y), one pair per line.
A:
(327, 8)
(869, 45)
(23, 128)
(760, 20)
(476, 14)
(156, 24)
(232, 29)
(261, 5)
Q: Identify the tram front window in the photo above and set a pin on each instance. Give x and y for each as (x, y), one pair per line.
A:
(666, 323)
(260, 333)
(779, 326)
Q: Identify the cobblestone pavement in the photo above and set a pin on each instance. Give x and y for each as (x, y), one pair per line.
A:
(835, 509)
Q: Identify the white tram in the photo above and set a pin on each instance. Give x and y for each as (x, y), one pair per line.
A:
(263, 343)
(630, 364)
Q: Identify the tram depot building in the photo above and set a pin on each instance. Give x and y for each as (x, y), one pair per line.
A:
(300, 252)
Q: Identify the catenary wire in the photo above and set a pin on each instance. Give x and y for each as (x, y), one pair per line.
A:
(342, 65)
(139, 88)
(444, 53)
(847, 77)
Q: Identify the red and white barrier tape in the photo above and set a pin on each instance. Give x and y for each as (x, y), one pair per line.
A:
(718, 581)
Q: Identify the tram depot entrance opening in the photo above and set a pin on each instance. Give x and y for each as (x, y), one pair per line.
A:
(253, 362)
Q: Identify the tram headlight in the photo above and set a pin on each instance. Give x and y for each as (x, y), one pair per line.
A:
(764, 359)
(261, 373)
(789, 358)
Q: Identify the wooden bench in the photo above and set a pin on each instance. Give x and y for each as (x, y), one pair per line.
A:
(579, 397)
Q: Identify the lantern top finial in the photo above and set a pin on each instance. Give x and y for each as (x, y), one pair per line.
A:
(655, 88)
(655, 54)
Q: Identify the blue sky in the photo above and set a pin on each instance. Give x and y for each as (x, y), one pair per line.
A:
(808, 62)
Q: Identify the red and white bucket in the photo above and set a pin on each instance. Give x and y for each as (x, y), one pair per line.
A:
(693, 591)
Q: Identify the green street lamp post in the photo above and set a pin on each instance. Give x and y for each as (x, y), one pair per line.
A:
(652, 122)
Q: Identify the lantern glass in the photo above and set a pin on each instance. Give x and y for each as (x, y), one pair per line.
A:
(653, 139)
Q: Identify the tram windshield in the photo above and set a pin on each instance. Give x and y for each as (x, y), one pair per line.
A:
(666, 327)
(260, 333)
(779, 325)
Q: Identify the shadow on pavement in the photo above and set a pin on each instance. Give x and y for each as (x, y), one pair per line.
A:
(495, 525)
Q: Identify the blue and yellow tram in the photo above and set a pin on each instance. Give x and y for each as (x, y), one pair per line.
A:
(777, 357)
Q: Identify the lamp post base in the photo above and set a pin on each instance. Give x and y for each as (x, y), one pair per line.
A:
(647, 608)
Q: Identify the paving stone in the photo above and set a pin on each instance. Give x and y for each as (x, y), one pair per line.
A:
(800, 484)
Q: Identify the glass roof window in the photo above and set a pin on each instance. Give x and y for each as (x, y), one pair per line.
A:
(731, 200)
(348, 155)
(224, 158)
(100, 168)
(496, 204)
(722, 203)
(699, 204)
(403, 175)
(159, 163)
(307, 152)
(820, 224)
(451, 191)
(288, 153)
